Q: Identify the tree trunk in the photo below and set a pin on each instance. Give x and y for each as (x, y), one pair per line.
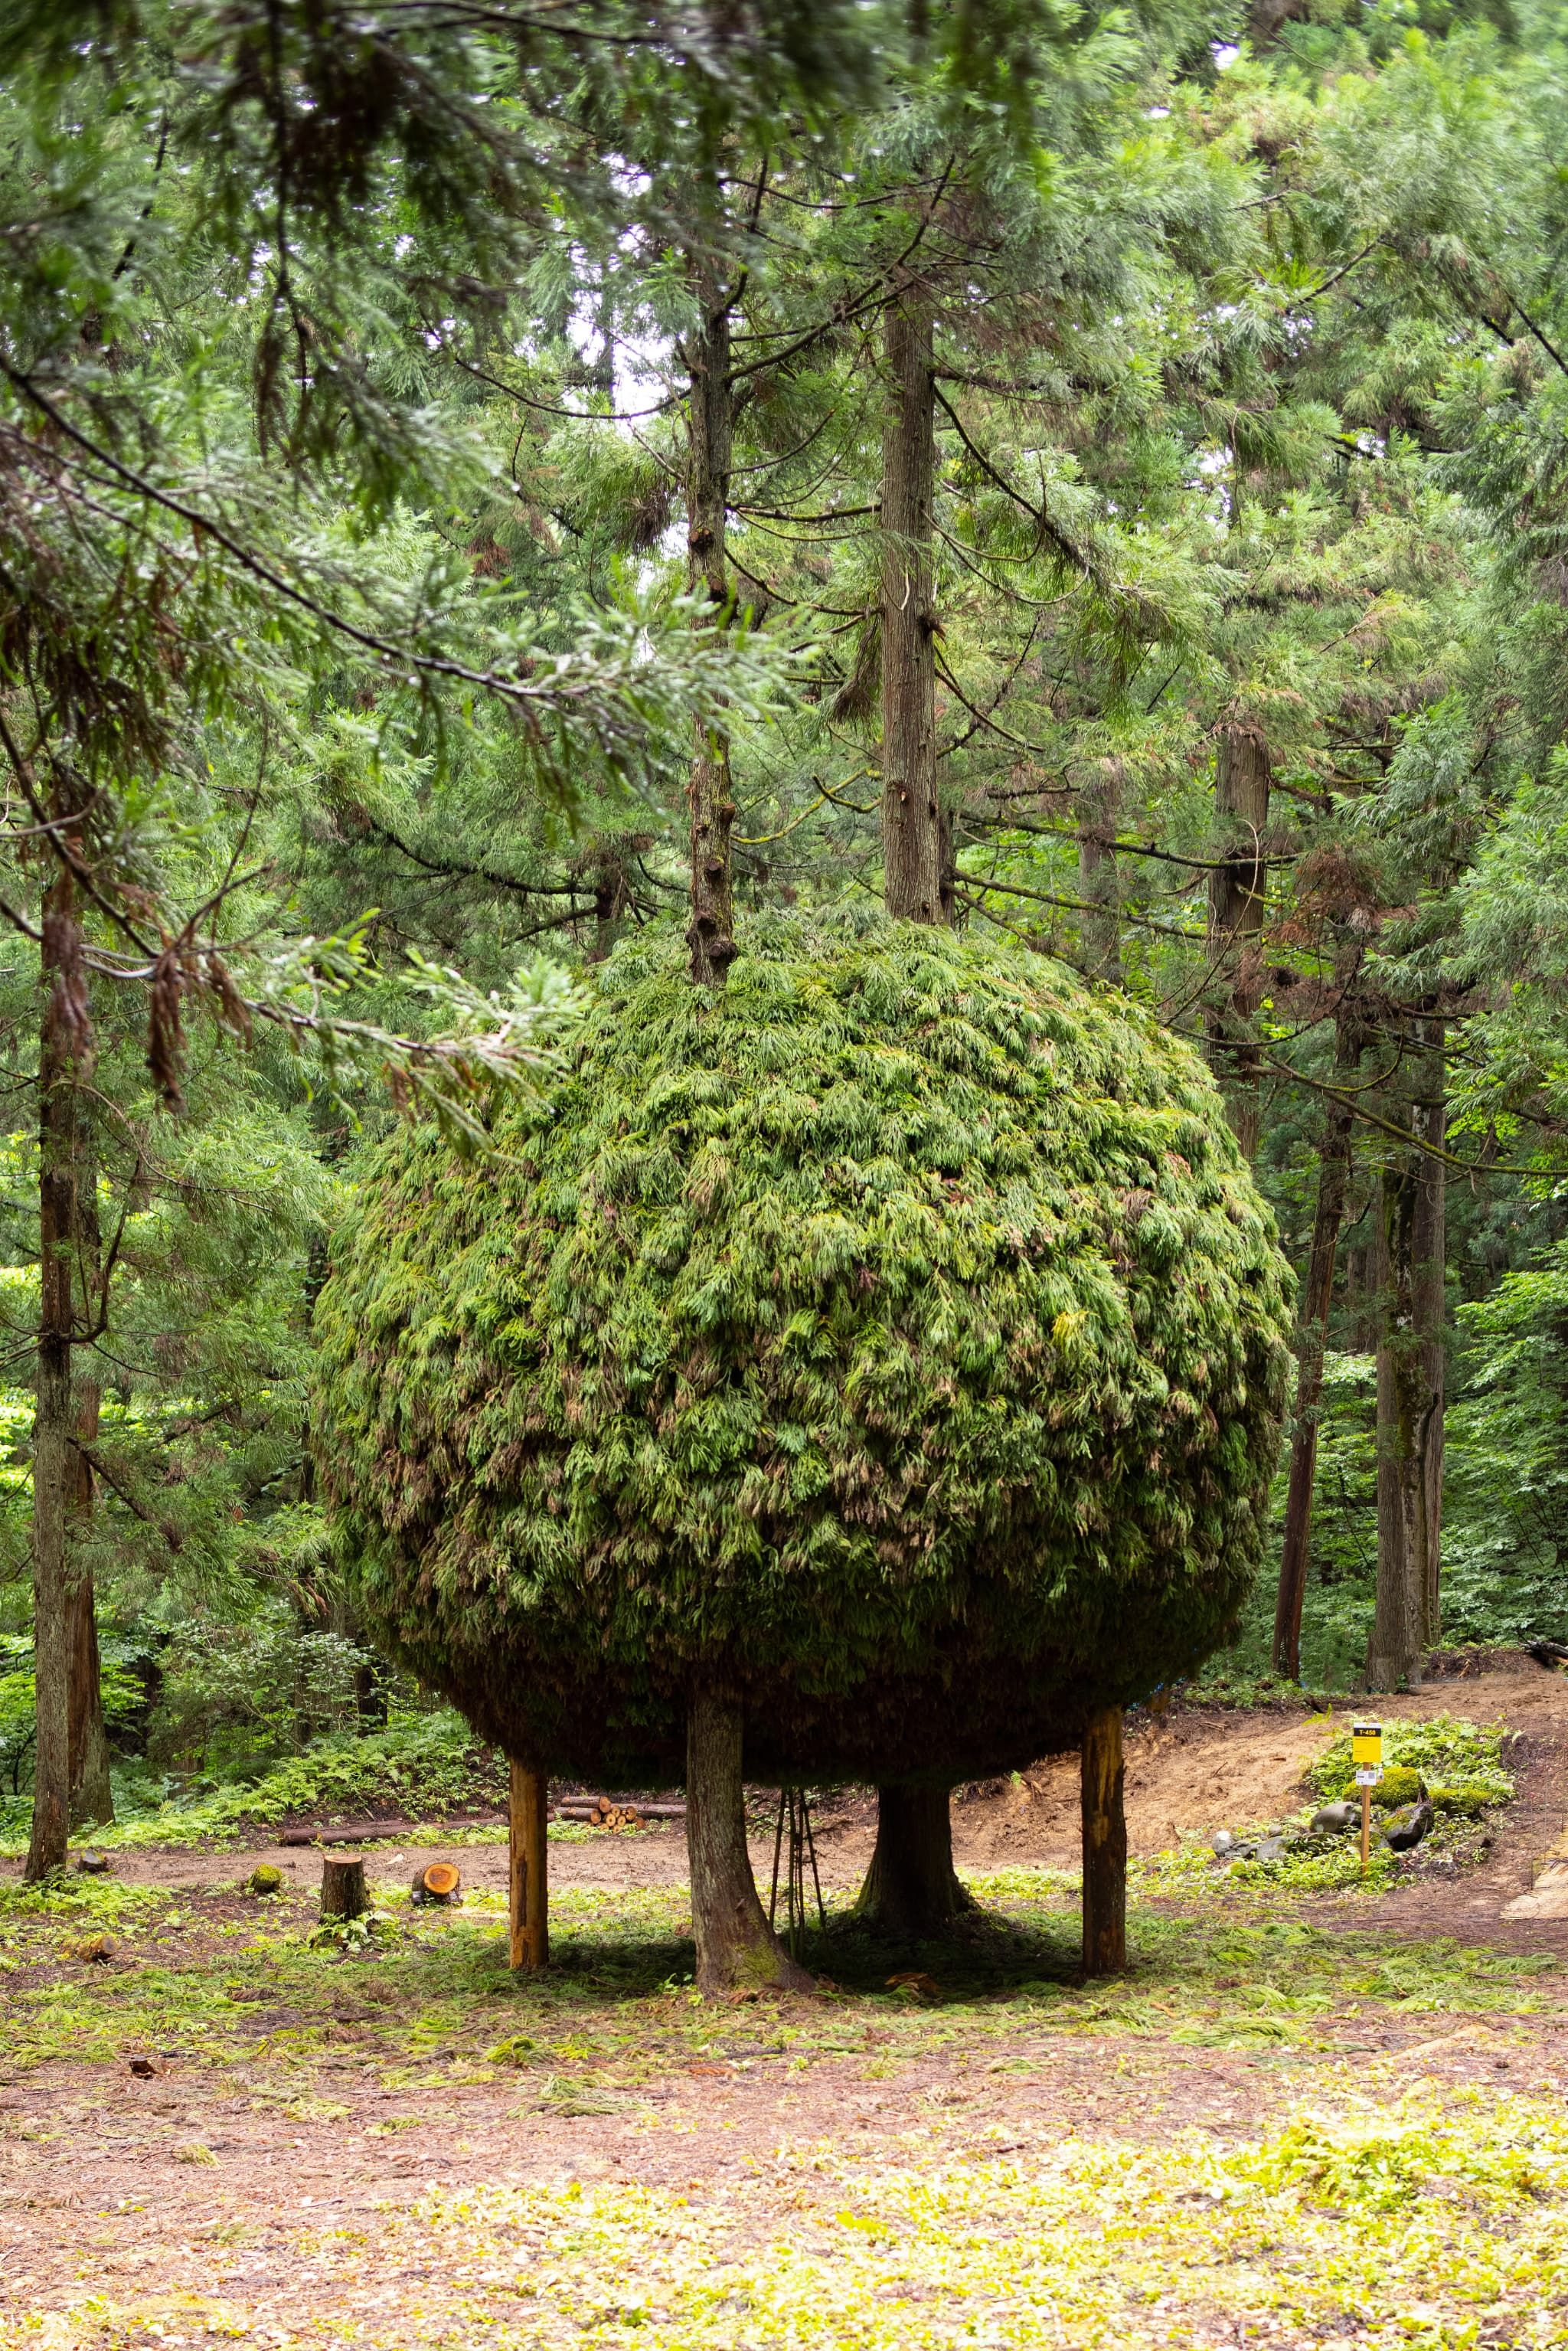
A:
(62, 1063)
(912, 845)
(710, 418)
(528, 1875)
(1104, 1847)
(1333, 1179)
(911, 1887)
(736, 1949)
(92, 1799)
(906, 1878)
(1099, 811)
(1428, 1291)
(1407, 1240)
(1242, 779)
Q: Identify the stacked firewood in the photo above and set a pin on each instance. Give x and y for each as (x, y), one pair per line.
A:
(615, 1811)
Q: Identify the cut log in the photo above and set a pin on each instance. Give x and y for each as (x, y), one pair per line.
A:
(529, 1869)
(438, 1881)
(343, 1888)
(1104, 1847)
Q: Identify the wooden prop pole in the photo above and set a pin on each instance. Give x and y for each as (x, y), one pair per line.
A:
(1104, 1847)
(528, 1875)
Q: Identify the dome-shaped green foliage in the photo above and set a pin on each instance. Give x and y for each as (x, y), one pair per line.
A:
(898, 1335)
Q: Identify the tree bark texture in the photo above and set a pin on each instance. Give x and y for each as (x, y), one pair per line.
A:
(710, 419)
(528, 1875)
(1099, 881)
(1431, 1311)
(906, 1888)
(1238, 889)
(1407, 1240)
(1333, 1180)
(92, 1799)
(63, 1060)
(911, 1887)
(912, 836)
(1104, 1847)
(343, 1892)
(736, 1949)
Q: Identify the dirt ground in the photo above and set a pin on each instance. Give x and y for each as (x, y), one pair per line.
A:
(1331, 2122)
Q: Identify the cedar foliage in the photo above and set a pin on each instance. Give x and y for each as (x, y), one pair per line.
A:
(898, 1335)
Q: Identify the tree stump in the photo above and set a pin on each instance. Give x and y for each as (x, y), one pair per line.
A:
(1104, 1847)
(343, 1892)
(529, 1871)
(437, 1881)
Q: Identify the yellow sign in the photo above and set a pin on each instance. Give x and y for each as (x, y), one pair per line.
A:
(1366, 1743)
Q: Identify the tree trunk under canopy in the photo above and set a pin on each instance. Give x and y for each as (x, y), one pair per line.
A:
(736, 1949)
(1242, 781)
(63, 1060)
(710, 423)
(92, 1799)
(1408, 1239)
(1099, 881)
(1333, 1179)
(1104, 1847)
(912, 836)
(911, 1887)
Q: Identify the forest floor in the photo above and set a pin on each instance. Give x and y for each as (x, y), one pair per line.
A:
(1299, 2119)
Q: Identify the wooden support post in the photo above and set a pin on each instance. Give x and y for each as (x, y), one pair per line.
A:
(1104, 1847)
(527, 1875)
(1365, 1826)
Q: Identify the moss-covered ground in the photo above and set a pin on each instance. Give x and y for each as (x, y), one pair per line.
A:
(1272, 2129)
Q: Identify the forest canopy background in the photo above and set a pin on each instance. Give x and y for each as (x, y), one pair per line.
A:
(353, 629)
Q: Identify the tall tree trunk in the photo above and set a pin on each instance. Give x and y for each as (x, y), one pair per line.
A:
(1098, 884)
(92, 1798)
(1333, 1179)
(62, 1058)
(1407, 1240)
(911, 843)
(710, 420)
(1242, 779)
(736, 1947)
(1428, 1291)
(911, 1887)
(1104, 1847)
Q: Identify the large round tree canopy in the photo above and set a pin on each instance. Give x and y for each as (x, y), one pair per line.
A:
(896, 1336)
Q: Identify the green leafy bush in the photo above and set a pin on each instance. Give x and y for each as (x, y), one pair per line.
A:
(899, 1334)
(421, 1765)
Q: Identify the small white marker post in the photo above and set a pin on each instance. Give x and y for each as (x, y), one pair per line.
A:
(1366, 1752)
